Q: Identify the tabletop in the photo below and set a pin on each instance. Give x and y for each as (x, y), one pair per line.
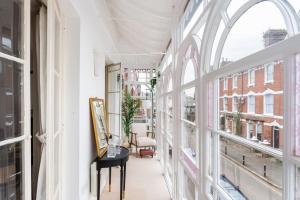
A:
(120, 159)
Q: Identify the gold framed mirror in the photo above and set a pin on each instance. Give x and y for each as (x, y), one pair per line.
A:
(100, 124)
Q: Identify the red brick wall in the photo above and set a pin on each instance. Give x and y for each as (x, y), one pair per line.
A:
(259, 87)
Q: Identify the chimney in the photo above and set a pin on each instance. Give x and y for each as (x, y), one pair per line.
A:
(273, 36)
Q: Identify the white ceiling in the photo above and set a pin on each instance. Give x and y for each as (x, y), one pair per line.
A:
(140, 29)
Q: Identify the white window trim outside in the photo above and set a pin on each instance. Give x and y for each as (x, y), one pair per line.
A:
(250, 81)
(266, 72)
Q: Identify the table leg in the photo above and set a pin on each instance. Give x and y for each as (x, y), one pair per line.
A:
(121, 182)
(98, 184)
(124, 181)
(110, 179)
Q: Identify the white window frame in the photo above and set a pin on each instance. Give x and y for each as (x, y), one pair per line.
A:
(251, 80)
(266, 67)
(235, 79)
(282, 50)
(265, 104)
(249, 104)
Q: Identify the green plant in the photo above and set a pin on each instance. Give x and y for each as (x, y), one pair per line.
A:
(130, 107)
(153, 83)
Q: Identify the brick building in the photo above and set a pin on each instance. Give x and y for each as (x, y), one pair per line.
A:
(251, 102)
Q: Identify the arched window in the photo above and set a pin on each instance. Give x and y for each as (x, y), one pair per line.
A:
(247, 70)
(188, 69)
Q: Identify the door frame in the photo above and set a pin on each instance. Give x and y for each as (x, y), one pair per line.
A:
(52, 12)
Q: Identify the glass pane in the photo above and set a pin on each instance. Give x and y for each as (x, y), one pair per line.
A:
(114, 124)
(57, 96)
(170, 86)
(57, 47)
(162, 119)
(295, 4)
(297, 113)
(297, 182)
(189, 74)
(11, 27)
(11, 99)
(11, 172)
(216, 41)
(254, 112)
(169, 105)
(189, 188)
(241, 166)
(210, 190)
(114, 79)
(169, 124)
(210, 100)
(169, 115)
(189, 104)
(210, 154)
(170, 161)
(234, 6)
(56, 159)
(247, 36)
(189, 141)
(114, 103)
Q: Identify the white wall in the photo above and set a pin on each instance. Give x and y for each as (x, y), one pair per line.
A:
(85, 34)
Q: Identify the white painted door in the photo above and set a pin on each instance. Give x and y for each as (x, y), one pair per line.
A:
(15, 151)
(55, 126)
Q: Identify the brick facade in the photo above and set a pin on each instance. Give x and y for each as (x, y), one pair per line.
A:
(272, 123)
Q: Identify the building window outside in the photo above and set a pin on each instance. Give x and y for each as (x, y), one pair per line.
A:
(269, 73)
(235, 81)
(225, 103)
(225, 83)
(269, 104)
(251, 104)
(251, 77)
(275, 137)
(259, 129)
(250, 130)
(235, 104)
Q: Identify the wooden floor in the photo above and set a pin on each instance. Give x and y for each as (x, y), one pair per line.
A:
(144, 181)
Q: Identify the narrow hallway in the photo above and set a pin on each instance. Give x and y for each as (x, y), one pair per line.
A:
(144, 181)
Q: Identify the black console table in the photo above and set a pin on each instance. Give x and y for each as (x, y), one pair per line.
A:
(105, 162)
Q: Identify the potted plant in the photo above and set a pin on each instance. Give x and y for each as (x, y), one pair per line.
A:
(130, 107)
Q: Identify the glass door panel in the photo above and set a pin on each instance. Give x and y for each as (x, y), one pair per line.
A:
(11, 27)
(11, 98)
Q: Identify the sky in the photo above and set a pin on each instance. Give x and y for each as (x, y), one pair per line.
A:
(246, 36)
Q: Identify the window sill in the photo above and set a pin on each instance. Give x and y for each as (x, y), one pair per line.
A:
(269, 82)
